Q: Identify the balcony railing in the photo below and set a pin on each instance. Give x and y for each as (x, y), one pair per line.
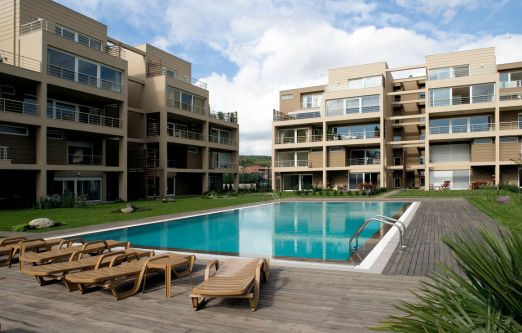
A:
(342, 112)
(280, 116)
(10, 105)
(217, 165)
(354, 136)
(184, 134)
(510, 125)
(10, 58)
(511, 97)
(299, 139)
(4, 153)
(158, 69)
(230, 117)
(82, 117)
(292, 163)
(364, 161)
(221, 140)
(462, 100)
(83, 159)
(82, 78)
(511, 84)
(186, 107)
(462, 128)
(450, 158)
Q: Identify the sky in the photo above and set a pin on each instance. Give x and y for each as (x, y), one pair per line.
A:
(247, 51)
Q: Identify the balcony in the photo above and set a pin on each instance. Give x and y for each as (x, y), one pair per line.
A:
(220, 165)
(452, 158)
(83, 117)
(177, 133)
(454, 129)
(158, 69)
(510, 125)
(354, 136)
(83, 159)
(511, 97)
(358, 110)
(460, 100)
(73, 36)
(364, 161)
(292, 163)
(10, 58)
(25, 108)
(221, 140)
(280, 116)
(67, 74)
(511, 84)
(299, 139)
(230, 117)
(186, 107)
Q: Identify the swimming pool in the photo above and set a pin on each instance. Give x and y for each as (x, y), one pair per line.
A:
(313, 231)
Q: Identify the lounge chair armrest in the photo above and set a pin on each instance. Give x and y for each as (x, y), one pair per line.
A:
(88, 246)
(31, 244)
(13, 240)
(262, 268)
(209, 267)
(127, 256)
(105, 256)
(69, 242)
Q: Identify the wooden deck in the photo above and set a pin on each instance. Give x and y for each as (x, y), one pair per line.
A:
(434, 220)
(302, 300)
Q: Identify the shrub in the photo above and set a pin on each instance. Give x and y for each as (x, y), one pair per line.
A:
(509, 187)
(488, 298)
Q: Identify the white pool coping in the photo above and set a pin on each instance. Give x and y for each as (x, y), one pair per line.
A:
(374, 262)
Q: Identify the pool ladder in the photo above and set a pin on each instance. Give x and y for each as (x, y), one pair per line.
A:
(383, 220)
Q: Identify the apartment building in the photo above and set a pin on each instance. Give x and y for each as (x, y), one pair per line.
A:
(457, 118)
(83, 113)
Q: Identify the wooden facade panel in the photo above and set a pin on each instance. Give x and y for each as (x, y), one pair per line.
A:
(337, 158)
(20, 149)
(509, 151)
(483, 153)
(316, 159)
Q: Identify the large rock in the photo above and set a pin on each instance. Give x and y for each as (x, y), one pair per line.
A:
(42, 222)
(127, 210)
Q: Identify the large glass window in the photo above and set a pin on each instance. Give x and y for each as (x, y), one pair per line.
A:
(86, 186)
(355, 179)
(110, 79)
(61, 64)
(87, 73)
(483, 92)
(440, 97)
(458, 152)
(311, 101)
(335, 107)
(367, 131)
(370, 103)
(439, 73)
(365, 82)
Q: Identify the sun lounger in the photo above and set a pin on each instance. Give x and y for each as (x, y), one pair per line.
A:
(6, 248)
(113, 276)
(37, 245)
(238, 278)
(77, 262)
(64, 253)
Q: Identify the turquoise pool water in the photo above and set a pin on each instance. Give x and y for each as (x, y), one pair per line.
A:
(317, 231)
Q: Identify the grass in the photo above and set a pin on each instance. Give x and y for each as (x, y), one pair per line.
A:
(105, 213)
(509, 214)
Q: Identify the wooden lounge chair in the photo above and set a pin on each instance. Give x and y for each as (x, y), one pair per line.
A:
(64, 253)
(77, 262)
(238, 278)
(445, 185)
(113, 276)
(38, 245)
(6, 249)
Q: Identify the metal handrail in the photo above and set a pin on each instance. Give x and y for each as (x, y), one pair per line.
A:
(485, 127)
(384, 220)
(67, 74)
(26, 108)
(462, 100)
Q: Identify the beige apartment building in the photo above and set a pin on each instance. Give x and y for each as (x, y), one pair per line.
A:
(456, 118)
(81, 112)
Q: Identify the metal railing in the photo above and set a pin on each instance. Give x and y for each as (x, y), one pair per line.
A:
(364, 161)
(4, 153)
(158, 69)
(292, 163)
(230, 117)
(462, 100)
(511, 84)
(453, 129)
(17, 60)
(26, 108)
(184, 134)
(346, 86)
(280, 116)
(221, 140)
(217, 165)
(186, 107)
(82, 78)
(83, 117)
(450, 158)
(511, 97)
(342, 112)
(510, 125)
(354, 136)
(380, 219)
(299, 139)
(84, 159)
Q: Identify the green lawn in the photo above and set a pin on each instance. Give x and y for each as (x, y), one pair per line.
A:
(104, 213)
(508, 214)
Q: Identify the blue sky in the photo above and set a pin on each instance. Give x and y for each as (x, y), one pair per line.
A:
(249, 50)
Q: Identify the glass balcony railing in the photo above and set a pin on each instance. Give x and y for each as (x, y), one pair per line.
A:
(462, 128)
(354, 136)
(299, 139)
(70, 75)
(511, 84)
(292, 163)
(462, 100)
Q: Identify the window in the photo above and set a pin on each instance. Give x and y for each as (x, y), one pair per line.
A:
(458, 152)
(511, 80)
(54, 134)
(461, 125)
(354, 179)
(483, 141)
(61, 64)
(440, 97)
(363, 104)
(287, 97)
(459, 179)
(297, 182)
(81, 153)
(90, 187)
(110, 79)
(365, 156)
(87, 73)
(193, 150)
(365, 82)
(448, 72)
(168, 71)
(171, 185)
(14, 130)
(508, 139)
(180, 99)
(310, 101)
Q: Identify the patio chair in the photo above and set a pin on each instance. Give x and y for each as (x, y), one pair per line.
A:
(136, 270)
(61, 253)
(6, 249)
(445, 185)
(77, 262)
(238, 278)
(37, 245)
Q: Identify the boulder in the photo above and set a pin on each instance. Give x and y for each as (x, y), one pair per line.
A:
(42, 222)
(127, 210)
